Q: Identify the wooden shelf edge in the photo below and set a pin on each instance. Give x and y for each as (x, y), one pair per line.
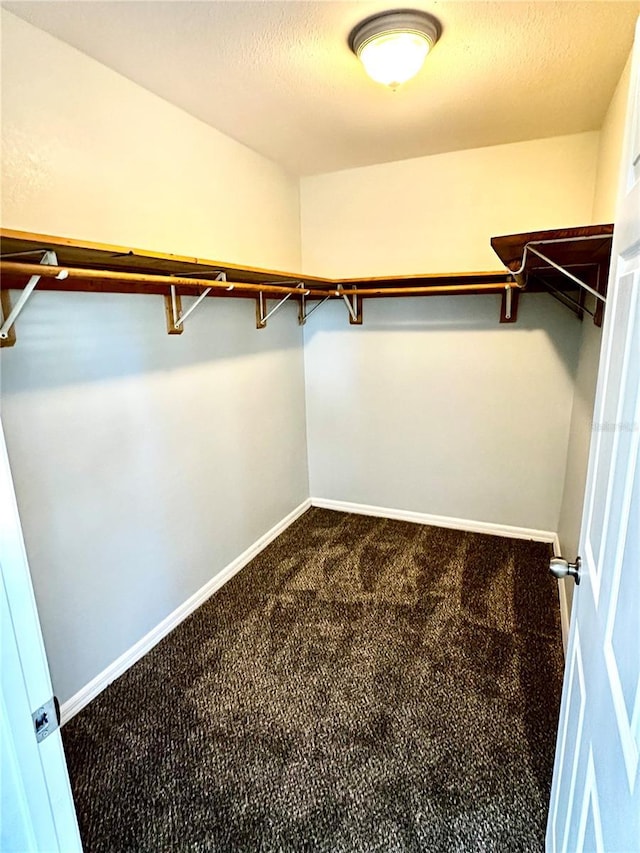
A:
(103, 256)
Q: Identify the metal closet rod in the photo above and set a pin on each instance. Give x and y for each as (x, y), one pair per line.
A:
(46, 271)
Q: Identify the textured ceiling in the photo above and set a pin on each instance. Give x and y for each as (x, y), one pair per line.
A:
(279, 76)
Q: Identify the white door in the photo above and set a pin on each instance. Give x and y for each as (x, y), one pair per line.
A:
(595, 798)
(37, 806)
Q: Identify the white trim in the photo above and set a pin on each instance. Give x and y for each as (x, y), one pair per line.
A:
(578, 739)
(82, 698)
(565, 610)
(467, 524)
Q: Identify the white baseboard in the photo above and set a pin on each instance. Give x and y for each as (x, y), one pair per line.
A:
(77, 702)
(467, 524)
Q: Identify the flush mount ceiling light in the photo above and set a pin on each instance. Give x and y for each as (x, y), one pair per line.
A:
(392, 46)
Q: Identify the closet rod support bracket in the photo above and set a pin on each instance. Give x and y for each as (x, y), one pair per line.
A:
(509, 304)
(304, 313)
(532, 248)
(582, 284)
(6, 337)
(173, 306)
(354, 306)
(262, 315)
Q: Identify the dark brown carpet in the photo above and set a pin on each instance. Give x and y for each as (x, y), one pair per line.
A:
(363, 685)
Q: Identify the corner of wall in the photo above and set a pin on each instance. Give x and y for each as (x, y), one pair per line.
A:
(607, 185)
(300, 243)
(606, 191)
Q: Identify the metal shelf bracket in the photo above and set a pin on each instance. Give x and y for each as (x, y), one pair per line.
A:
(533, 247)
(529, 248)
(262, 315)
(6, 338)
(509, 304)
(354, 306)
(304, 313)
(566, 273)
(173, 306)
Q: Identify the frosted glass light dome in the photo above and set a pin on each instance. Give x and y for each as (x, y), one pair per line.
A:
(393, 46)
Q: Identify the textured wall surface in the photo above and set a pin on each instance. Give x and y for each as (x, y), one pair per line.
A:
(87, 154)
(437, 214)
(143, 463)
(608, 177)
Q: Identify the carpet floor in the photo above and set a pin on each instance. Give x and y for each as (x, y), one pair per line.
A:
(363, 685)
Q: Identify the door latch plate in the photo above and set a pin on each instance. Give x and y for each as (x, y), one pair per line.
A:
(45, 719)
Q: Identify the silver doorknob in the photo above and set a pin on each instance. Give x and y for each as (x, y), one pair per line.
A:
(560, 568)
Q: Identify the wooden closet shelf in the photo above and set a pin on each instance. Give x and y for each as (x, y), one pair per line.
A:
(570, 247)
(79, 253)
(571, 263)
(102, 256)
(77, 265)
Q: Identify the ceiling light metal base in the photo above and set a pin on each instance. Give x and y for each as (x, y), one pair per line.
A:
(398, 21)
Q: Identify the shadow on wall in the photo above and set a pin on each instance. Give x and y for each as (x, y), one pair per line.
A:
(477, 314)
(73, 338)
(66, 339)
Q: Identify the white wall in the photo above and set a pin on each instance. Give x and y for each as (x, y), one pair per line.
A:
(570, 516)
(437, 214)
(432, 406)
(143, 463)
(607, 189)
(608, 177)
(91, 155)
